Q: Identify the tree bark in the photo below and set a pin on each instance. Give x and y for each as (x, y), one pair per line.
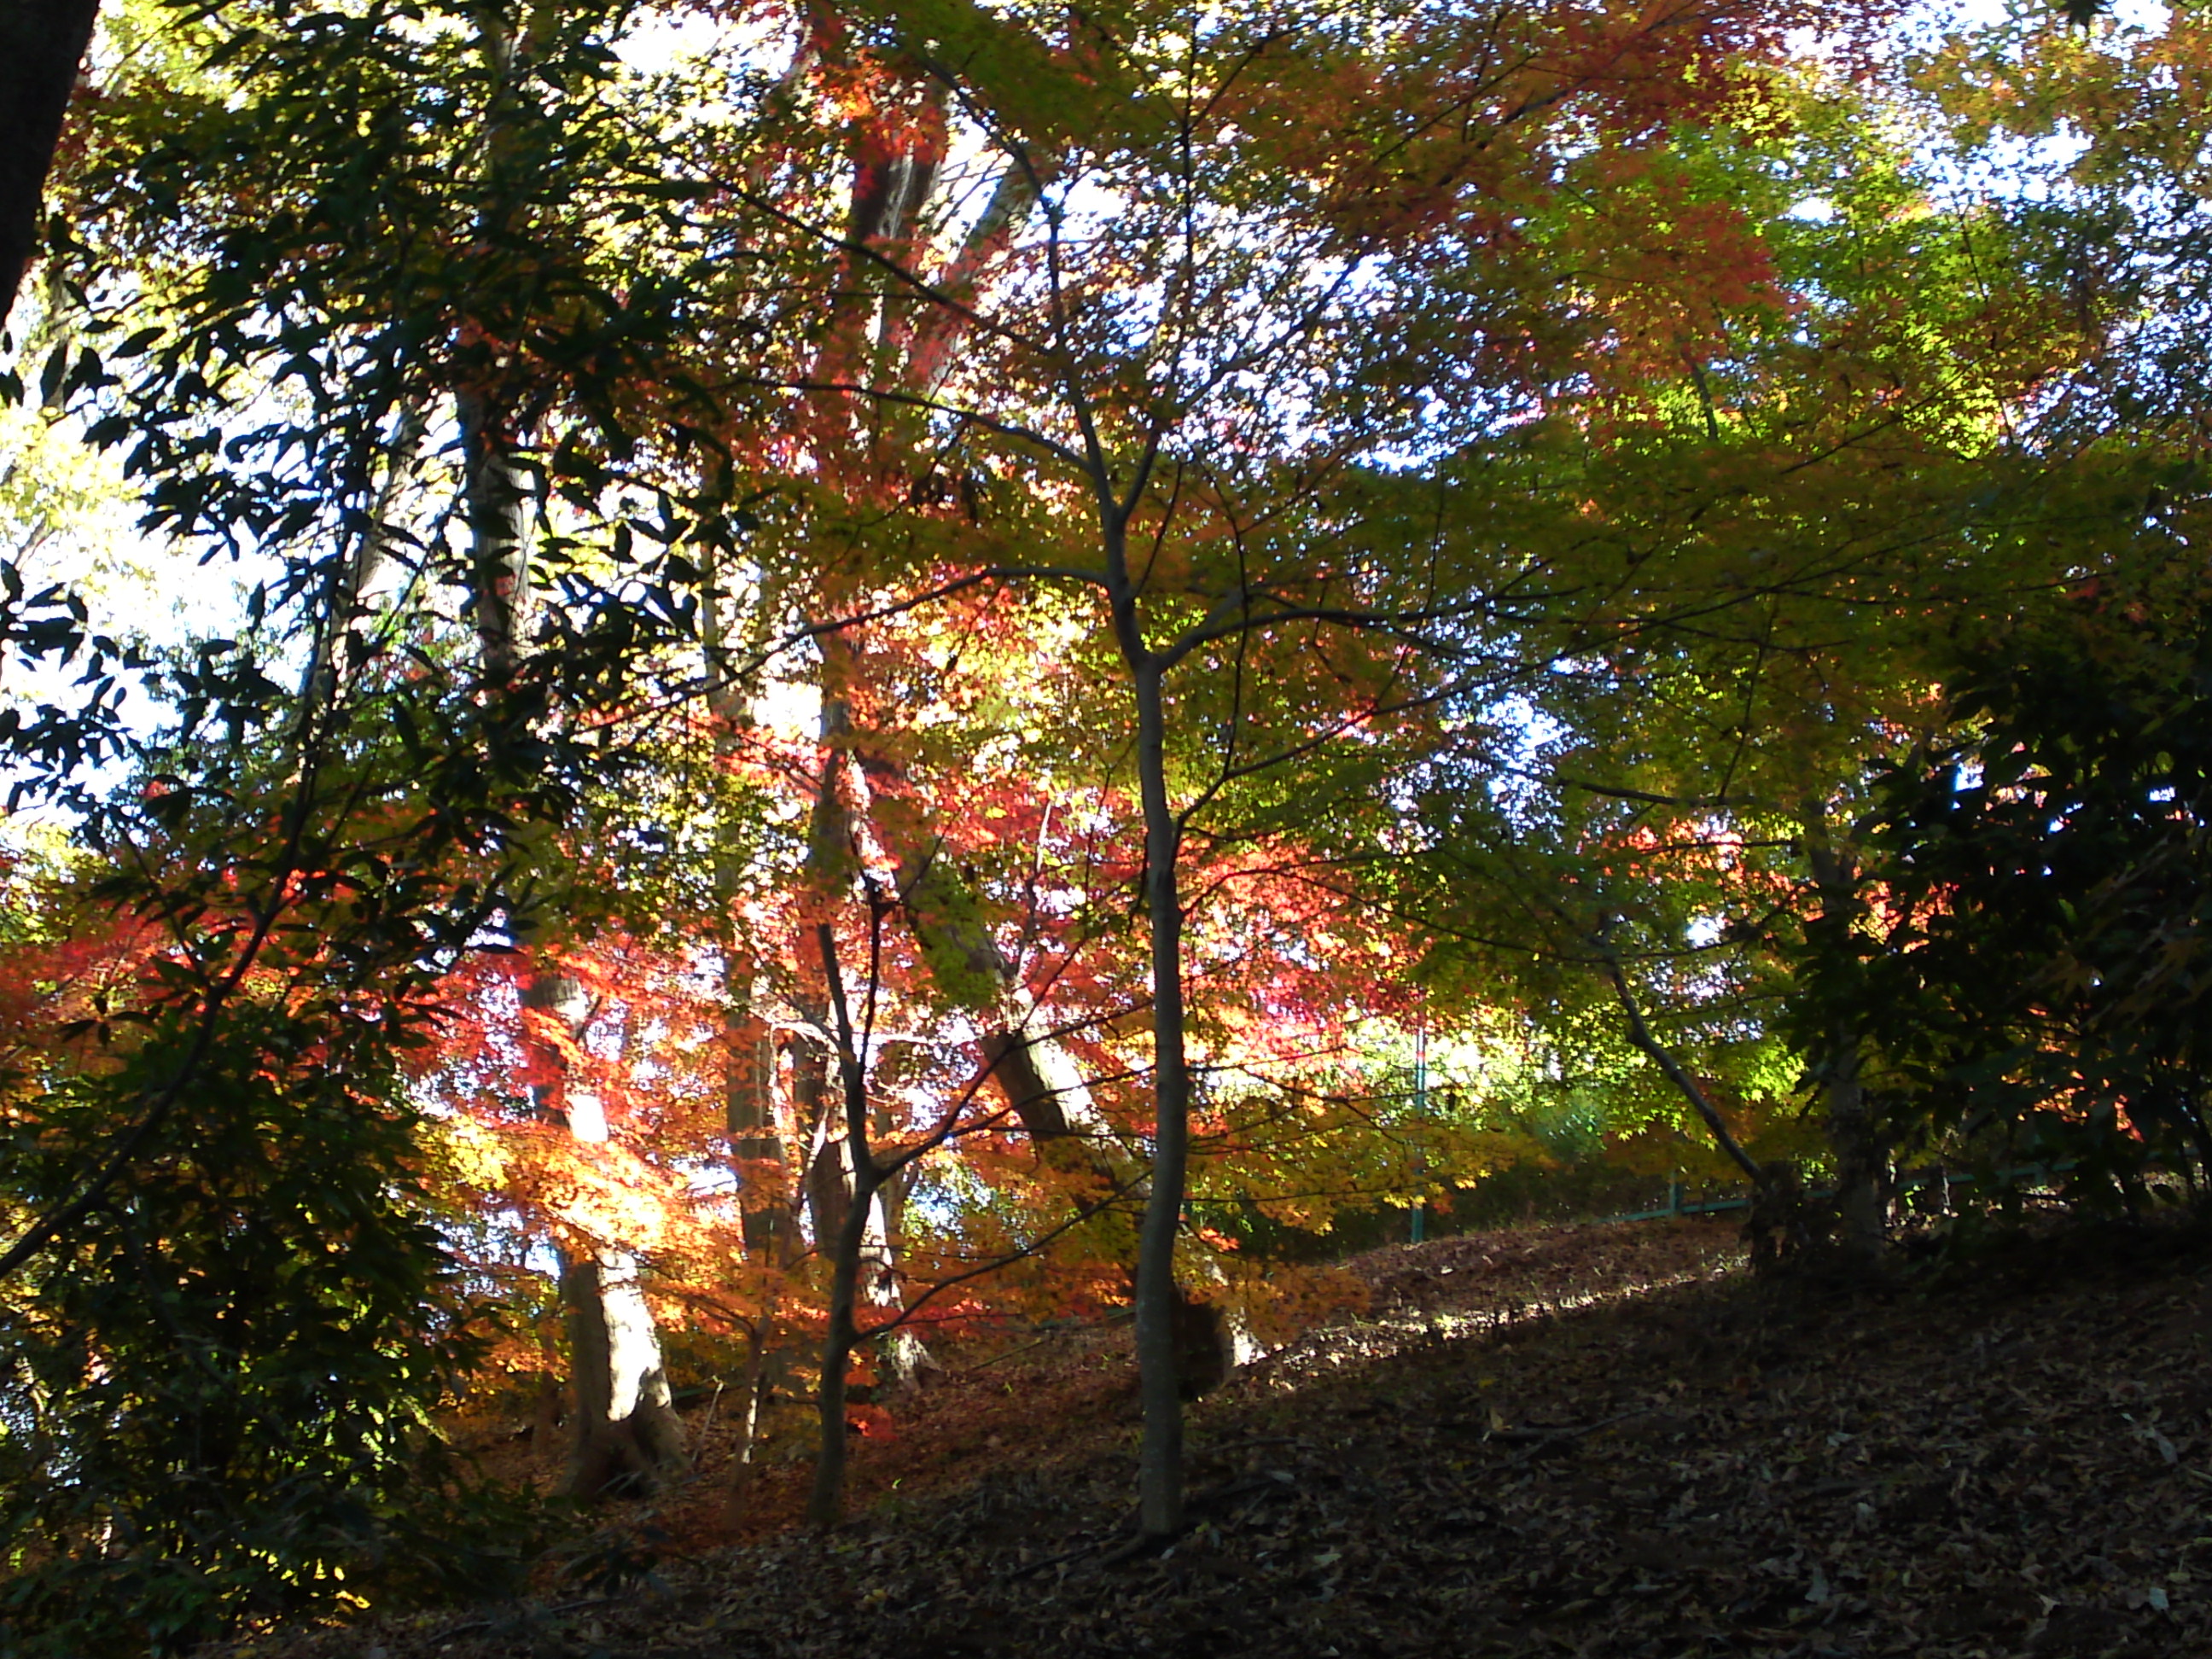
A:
(843, 1195)
(1042, 1083)
(757, 1148)
(1159, 1381)
(497, 499)
(42, 44)
(626, 1429)
(825, 1505)
(1159, 1375)
(1040, 1079)
(1862, 1160)
(757, 1145)
(348, 609)
(627, 1433)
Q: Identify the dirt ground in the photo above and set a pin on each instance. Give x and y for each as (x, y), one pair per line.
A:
(1594, 1441)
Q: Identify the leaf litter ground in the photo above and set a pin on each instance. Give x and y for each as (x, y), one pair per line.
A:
(1597, 1441)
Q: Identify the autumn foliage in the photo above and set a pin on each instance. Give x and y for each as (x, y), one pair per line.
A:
(911, 673)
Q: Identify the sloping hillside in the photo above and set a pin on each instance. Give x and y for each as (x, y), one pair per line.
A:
(1600, 1442)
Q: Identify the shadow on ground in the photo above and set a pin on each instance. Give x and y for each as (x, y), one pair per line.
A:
(1595, 1441)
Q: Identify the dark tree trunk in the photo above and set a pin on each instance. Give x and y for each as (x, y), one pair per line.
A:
(860, 1179)
(545, 1418)
(1160, 1300)
(42, 45)
(1862, 1159)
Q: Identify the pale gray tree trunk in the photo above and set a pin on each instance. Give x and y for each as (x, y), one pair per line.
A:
(626, 1432)
(629, 1435)
(759, 1153)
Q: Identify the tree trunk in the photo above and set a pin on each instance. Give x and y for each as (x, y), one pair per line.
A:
(1862, 1164)
(1160, 1479)
(849, 1261)
(837, 1180)
(758, 1150)
(825, 1505)
(1639, 1033)
(497, 495)
(1862, 1160)
(347, 609)
(42, 46)
(1040, 1079)
(835, 1188)
(545, 1417)
(757, 1146)
(626, 1432)
(759, 1381)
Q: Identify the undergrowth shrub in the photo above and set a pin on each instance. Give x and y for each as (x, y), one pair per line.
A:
(216, 1389)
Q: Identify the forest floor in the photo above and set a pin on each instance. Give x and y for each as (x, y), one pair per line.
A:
(1600, 1441)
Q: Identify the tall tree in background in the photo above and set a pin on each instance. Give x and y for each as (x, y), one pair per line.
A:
(627, 1432)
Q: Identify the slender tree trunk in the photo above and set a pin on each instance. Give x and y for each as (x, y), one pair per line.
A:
(760, 1375)
(842, 1195)
(552, 1404)
(828, 1195)
(1160, 1477)
(336, 640)
(757, 1384)
(841, 1202)
(1862, 1160)
(825, 1506)
(757, 1146)
(1040, 1079)
(497, 500)
(1639, 1033)
(2192, 1118)
(545, 1417)
(1862, 1164)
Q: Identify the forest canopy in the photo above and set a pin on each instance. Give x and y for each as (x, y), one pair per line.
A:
(701, 697)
